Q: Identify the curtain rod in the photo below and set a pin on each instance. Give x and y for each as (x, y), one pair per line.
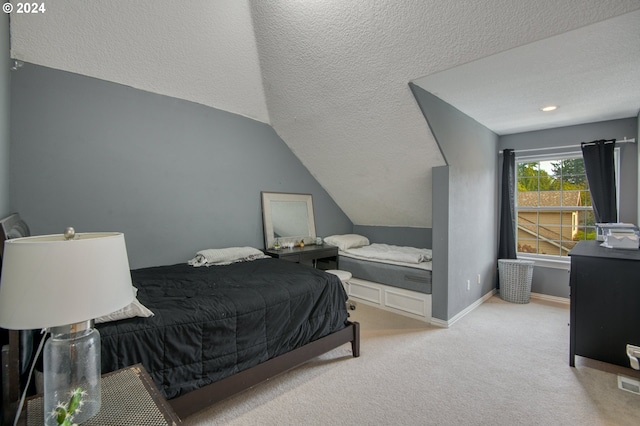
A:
(625, 140)
(600, 140)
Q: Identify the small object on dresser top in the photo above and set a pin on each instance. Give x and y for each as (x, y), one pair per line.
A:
(603, 229)
(621, 239)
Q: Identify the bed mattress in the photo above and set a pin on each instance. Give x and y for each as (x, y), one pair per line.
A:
(415, 277)
(212, 322)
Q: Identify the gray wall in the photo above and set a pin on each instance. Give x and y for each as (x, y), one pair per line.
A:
(471, 223)
(5, 82)
(401, 236)
(555, 281)
(441, 231)
(174, 176)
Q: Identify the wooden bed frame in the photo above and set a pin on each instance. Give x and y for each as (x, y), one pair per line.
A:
(204, 397)
(198, 399)
(209, 395)
(10, 227)
(10, 376)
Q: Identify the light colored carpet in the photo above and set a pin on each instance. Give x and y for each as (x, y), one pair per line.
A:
(503, 364)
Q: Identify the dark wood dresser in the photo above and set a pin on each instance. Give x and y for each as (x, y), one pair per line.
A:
(605, 302)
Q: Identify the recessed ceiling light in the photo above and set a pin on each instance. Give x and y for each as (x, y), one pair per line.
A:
(549, 108)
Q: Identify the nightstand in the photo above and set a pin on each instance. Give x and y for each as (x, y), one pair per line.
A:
(307, 254)
(129, 397)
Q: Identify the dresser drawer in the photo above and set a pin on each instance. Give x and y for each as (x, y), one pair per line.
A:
(307, 254)
(291, 258)
(317, 254)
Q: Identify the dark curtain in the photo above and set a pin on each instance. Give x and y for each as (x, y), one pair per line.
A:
(599, 167)
(507, 245)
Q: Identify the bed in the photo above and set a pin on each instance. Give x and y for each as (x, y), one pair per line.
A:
(217, 330)
(385, 275)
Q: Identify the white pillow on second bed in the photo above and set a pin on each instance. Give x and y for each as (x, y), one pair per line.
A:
(347, 241)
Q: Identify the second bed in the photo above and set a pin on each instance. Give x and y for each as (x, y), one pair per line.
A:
(395, 278)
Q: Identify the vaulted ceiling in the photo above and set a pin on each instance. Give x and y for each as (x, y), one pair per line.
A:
(331, 76)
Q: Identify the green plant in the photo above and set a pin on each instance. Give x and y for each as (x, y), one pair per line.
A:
(64, 412)
(582, 235)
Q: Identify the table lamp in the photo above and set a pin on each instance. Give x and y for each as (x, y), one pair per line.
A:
(62, 283)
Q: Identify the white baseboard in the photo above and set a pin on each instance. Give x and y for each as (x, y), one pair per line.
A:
(418, 305)
(446, 324)
(409, 303)
(556, 299)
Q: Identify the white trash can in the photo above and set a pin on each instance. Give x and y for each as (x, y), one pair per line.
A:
(515, 279)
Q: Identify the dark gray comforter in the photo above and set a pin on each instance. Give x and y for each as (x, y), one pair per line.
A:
(211, 322)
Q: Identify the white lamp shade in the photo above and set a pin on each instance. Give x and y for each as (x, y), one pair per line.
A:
(48, 281)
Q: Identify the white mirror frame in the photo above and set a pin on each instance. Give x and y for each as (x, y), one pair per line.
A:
(269, 237)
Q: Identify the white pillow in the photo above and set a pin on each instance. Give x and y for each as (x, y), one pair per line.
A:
(226, 256)
(347, 241)
(134, 309)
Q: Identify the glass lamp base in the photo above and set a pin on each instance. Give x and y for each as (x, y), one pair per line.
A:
(71, 362)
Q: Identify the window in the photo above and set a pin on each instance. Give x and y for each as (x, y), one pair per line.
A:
(553, 205)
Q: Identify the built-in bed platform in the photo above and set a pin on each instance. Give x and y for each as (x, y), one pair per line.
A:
(391, 277)
(406, 277)
(403, 289)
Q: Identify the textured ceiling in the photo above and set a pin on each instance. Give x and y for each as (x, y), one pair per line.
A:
(201, 50)
(591, 73)
(330, 76)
